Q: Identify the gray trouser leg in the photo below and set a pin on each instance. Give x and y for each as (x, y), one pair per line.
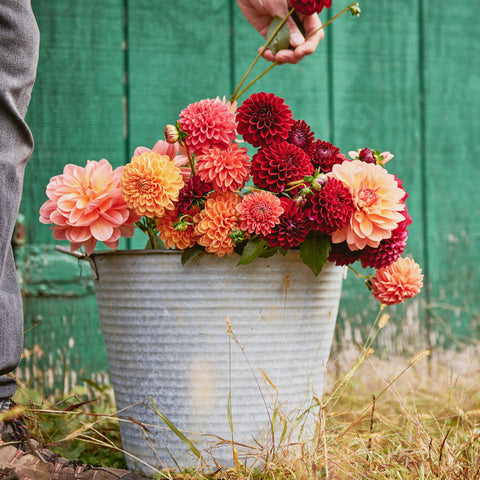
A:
(19, 42)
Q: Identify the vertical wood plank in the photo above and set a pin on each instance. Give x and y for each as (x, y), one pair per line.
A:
(452, 104)
(76, 113)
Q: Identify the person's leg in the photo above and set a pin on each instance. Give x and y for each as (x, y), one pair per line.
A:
(19, 44)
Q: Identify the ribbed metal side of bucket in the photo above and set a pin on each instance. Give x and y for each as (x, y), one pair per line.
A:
(166, 330)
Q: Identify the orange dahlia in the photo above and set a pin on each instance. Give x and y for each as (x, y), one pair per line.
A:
(225, 169)
(151, 183)
(401, 280)
(216, 221)
(177, 230)
(377, 200)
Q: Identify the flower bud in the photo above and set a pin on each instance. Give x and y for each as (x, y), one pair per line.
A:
(366, 155)
(237, 236)
(171, 134)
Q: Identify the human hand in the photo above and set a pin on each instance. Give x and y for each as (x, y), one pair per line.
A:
(260, 13)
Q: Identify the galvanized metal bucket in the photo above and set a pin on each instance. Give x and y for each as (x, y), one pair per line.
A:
(223, 351)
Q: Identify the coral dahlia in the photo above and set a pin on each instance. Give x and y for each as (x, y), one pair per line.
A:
(394, 284)
(216, 221)
(378, 203)
(208, 123)
(225, 169)
(292, 228)
(259, 212)
(275, 166)
(309, 7)
(324, 156)
(86, 205)
(150, 184)
(330, 208)
(263, 119)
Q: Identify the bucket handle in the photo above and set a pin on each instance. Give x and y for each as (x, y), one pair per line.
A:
(80, 256)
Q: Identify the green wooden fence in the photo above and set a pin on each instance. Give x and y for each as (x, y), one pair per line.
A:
(405, 77)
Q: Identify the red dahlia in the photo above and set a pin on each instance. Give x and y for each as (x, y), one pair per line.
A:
(264, 118)
(292, 228)
(301, 136)
(388, 252)
(192, 194)
(330, 208)
(273, 167)
(309, 7)
(340, 254)
(324, 156)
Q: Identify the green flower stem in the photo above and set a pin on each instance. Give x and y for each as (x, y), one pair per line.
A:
(365, 277)
(332, 19)
(189, 156)
(256, 79)
(236, 95)
(269, 41)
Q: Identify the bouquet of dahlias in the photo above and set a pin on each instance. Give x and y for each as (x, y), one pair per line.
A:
(199, 191)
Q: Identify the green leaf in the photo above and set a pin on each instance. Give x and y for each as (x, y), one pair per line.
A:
(269, 252)
(176, 431)
(251, 251)
(281, 40)
(158, 244)
(191, 253)
(314, 252)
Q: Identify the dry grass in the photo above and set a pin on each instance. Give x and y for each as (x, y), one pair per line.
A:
(387, 419)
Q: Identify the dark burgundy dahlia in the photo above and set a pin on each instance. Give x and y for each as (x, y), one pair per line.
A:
(341, 255)
(275, 166)
(330, 208)
(387, 252)
(366, 155)
(309, 7)
(292, 228)
(192, 194)
(301, 135)
(264, 118)
(324, 156)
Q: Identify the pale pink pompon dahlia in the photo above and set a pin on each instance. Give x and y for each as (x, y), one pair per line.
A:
(394, 284)
(377, 200)
(86, 206)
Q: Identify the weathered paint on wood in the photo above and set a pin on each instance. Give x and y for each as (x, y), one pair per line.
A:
(404, 78)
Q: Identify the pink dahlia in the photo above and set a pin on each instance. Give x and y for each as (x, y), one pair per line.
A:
(394, 284)
(208, 123)
(324, 156)
(86, 205)
(263, 119)
(292, 228)
(301, 135)
(192, 194)
(377, 200)
(330, 208)
(225, 169)
(259, 212)
(275, 166)
(387, 252)
(309, 7)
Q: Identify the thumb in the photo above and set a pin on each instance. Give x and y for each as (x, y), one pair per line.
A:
(296, 36)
